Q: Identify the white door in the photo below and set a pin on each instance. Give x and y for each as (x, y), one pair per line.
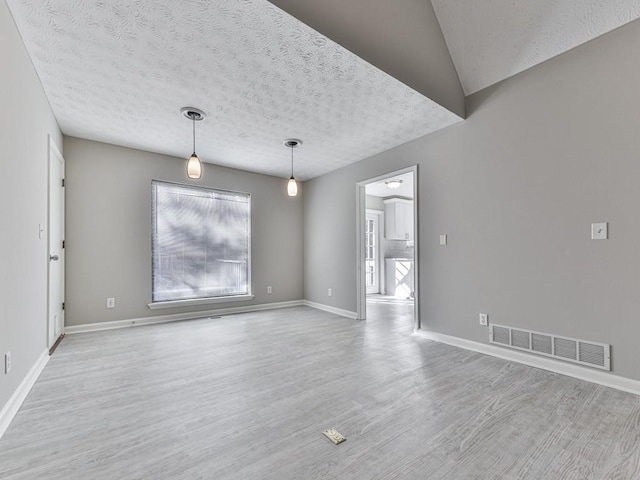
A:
(56, 246)
(372, 252)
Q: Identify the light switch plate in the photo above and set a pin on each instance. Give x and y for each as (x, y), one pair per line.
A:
(443, 239)
(599, 231)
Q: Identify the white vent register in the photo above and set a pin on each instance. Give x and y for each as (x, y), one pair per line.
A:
(591, 354)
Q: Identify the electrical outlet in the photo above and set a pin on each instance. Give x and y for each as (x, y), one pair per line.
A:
(484, 319)
(330, 293)
(111, 302)
(269, 290)
(7, 362)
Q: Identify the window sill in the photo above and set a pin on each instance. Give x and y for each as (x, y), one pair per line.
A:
(199, 301)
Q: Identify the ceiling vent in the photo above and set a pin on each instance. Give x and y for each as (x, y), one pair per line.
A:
(591, 354)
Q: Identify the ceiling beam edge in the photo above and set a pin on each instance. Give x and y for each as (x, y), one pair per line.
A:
(401, 38)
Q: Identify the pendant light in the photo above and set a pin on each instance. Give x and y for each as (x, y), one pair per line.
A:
(194, 166)
(292, 186)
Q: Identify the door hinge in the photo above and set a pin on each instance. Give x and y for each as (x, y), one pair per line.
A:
(62, 243)
(63, 182)
(63, 305)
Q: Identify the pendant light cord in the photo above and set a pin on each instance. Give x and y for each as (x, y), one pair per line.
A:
(193, 118)
(291, 161)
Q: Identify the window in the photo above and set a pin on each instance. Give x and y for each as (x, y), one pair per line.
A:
(201, 242)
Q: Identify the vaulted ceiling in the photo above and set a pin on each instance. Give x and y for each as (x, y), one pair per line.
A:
(119, 71)
(494, 39)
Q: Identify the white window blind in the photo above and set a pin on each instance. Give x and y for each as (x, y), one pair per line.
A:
(201, 242)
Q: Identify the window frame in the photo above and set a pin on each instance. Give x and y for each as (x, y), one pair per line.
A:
(202, 300)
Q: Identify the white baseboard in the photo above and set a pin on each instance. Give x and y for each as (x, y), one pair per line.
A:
(176, 317)
(577, 371)
(330, 309)
(12, 406)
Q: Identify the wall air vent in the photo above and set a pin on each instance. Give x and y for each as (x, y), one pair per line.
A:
(591, 354)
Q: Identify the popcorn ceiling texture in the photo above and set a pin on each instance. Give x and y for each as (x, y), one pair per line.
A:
(491, 40)
(119, 71)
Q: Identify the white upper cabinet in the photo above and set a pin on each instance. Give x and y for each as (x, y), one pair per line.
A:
(398, 219)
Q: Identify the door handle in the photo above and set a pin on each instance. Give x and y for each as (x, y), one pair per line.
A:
(54, 257)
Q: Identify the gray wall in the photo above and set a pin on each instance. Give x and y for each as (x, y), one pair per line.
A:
(109, 231)
(402, 38)
(25, 122)
(374, 203)
(516, 186)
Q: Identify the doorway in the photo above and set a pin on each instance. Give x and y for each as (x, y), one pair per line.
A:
(55, 316)
(387, 255)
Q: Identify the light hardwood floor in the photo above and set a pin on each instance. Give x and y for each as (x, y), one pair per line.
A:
(248, 396)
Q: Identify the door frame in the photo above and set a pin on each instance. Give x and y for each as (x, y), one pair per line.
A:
(54, 151)
(361, 207)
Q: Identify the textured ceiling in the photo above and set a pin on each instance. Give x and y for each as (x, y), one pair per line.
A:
(491, 40)
(119, 71)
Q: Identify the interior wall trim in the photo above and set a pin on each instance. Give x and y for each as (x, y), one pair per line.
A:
(176, 317)
(576, 371)
(330, 309)
(14, 403)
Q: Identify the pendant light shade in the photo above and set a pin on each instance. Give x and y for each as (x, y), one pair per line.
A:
(292, 185)
(194, 166)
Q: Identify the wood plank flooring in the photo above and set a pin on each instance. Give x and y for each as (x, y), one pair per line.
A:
(248, 397)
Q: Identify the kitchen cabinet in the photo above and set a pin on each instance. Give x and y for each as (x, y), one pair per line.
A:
(398, 219)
